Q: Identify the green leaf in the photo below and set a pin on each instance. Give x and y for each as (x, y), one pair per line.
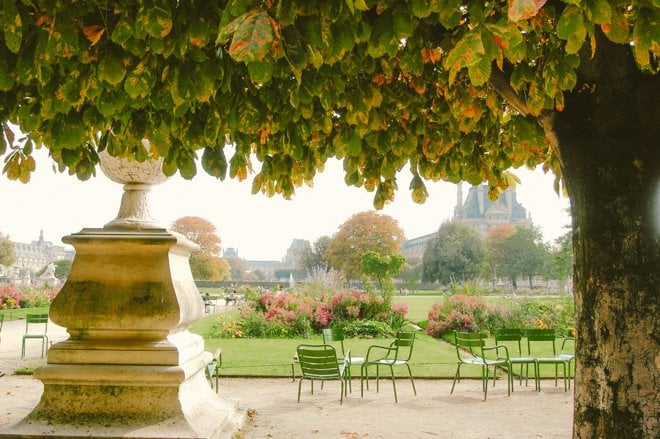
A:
(524, 9)
(421, 8)
(449, 13)
(618, 29)
(214, 161)
(468, 51)
(480, 72)
(571, 28)
(6, 81)
(123, 31)
(156, 18)
(111, 68)
(404, 23)
(260, 72)
(253, 38)
(600, 11)
(139, 81)
(13, 25)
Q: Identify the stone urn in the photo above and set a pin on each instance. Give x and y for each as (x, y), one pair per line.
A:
(137, 178)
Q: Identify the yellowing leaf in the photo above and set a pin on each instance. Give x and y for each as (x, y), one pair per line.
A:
(94, 33)
(253, 39)
(523, 9)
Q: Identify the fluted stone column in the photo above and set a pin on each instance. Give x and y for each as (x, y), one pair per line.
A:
(130, 367)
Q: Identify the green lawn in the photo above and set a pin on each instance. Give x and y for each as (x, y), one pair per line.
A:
(432, 358)
(418, 306)
(19, 313)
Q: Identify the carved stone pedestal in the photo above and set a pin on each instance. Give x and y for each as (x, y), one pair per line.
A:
(130, 367)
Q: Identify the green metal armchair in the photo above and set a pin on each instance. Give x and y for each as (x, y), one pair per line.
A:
(515, 335)
(536, 336)
(471, 349)
(398, 353)
(336, 335)
(319, 362)
(41, 322)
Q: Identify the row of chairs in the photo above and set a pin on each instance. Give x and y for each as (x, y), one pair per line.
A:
(321, 362)
(471, 349)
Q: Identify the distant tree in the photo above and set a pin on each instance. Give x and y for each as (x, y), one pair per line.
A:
(561, 257)
(363, 232)
(496, 257)
(315, 259)
(205, 266)
(7, 251)
(383, 268)
(521, 254)
(455, 253)
(62, 268)
(239, 267)
(411, 273)
(200, 231)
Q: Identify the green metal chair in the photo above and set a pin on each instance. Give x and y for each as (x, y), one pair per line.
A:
(213, 369)
(471, 349)
(398, 353)
(537, 336)
(41, 322)
(515, 335)
(319, 362)
(336, 335)
(568, 353)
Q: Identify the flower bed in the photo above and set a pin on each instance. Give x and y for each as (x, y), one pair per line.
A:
(472, 314)
(297, 315)
(12, 297)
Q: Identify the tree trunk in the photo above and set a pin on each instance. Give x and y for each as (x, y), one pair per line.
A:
(609, 142)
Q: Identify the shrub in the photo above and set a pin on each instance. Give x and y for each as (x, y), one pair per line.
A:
(463, 313)
(298, 315)
(366, 329)
(12, 297)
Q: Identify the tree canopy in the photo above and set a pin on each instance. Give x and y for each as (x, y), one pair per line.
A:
(454, 254)
(7, 251)
(201, 231)
(363, 232)
(380, 85)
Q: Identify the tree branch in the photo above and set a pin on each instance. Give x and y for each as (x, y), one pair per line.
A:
(546, 119)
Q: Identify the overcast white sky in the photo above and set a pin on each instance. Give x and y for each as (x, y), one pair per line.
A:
(258, 226)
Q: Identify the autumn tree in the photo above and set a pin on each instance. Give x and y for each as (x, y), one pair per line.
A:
(363, 232)
(454, 253)
(205, 266)
(204, 263)
(452, 90)
(200, 231)
(7, 251)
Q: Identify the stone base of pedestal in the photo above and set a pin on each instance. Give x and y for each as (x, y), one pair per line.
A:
(154, 408)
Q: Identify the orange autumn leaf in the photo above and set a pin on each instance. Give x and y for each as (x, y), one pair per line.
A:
(93, 33)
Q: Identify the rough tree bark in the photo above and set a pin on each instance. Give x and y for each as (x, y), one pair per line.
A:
(609, 142)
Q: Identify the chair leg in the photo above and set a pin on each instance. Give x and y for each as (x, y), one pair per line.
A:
(299, 385)
(411, 379)
(394, 384)
(486, 382)
(456, 377)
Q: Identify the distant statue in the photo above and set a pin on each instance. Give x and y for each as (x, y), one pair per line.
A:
(50, 271)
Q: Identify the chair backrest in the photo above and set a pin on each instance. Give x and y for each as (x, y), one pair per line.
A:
(470, 341)
(403, 344)
(540, 335)
(509, 334)
(335, 334)
(318, 361)
(36, 320)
